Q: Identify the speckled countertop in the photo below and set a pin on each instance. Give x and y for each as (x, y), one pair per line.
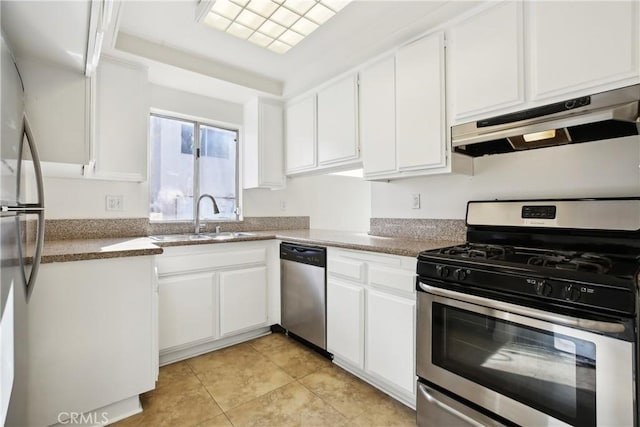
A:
(85, 249)
(365, 242)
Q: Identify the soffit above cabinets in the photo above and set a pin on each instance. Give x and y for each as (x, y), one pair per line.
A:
(188, 55)
(360, 31)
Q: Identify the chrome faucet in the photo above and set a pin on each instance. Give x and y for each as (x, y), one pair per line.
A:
(215, 209)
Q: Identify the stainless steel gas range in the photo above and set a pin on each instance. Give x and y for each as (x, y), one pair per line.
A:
(534, 320)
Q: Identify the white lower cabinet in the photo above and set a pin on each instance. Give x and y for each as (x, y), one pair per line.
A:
(91, 340)
(345, 321)
(389, 344)
(215, 295)
(371, 319)
(187, 312)
(243, 299)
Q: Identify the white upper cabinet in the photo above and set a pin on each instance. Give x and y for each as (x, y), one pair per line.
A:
(322, 129)
(580, 47)
(300, 134)
(377, 118)
(121, 121)
(263, 144)
(337, 122)
(485, 61)
(420, 104)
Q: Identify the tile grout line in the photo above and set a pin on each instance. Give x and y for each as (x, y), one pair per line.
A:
(326, 402)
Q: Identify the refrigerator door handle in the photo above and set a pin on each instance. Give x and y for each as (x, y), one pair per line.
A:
(37, 208)
(36, 163)
(37, 256)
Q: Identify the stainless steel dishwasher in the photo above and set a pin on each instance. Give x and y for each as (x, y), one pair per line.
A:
(304, 292)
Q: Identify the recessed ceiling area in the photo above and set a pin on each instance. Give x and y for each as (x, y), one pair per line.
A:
(184, 53)
(359, 32)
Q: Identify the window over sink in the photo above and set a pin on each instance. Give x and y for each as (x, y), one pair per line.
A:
(187, 159)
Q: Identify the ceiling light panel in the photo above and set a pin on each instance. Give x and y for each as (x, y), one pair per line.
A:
(250, 19)
(226, 8)
(320, 14)
(263, 7)
(276, 25)
(299, 6)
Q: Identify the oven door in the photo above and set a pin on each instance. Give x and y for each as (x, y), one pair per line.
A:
(527, 370)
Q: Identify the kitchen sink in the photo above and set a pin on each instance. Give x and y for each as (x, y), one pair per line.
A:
(200, 237)
(180, 237)
(224, 235)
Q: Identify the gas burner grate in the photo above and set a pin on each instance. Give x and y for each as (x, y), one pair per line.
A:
(494, 252)
(587, 262)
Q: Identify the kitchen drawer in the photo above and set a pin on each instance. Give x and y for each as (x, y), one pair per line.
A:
(354, 270)
(399, 280)
(168, 264)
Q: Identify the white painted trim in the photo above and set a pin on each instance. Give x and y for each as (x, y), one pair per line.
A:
(393, 391)
(187, 351)
(120, 410)
(62, 170)
(198, 64)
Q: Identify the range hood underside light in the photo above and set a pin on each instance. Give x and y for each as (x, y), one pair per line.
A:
(540, 139)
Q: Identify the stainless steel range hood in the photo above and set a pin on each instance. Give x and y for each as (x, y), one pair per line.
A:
(605, 115)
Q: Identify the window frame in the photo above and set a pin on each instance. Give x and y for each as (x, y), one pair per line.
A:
(197, 121)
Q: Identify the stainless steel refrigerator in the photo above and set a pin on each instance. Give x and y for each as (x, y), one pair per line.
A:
(21, 238)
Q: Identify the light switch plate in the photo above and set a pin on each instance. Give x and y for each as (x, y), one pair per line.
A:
(114, 202)
(415, 201)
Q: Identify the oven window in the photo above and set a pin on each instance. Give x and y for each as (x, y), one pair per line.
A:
(552, 373)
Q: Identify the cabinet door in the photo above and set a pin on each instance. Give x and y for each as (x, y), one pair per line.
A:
(243, 299)
(485, 61)
(345, 321)
(300, 134)
(263, 144)
(271, 169)
(378, 117)
(420, 114)
(578, 45)
(122, 121)
(186, 309)
(390, 339)
(337, 122)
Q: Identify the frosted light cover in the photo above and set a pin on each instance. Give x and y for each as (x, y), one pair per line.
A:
(276, 25)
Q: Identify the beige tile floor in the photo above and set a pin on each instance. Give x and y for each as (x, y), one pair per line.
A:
(270, 381)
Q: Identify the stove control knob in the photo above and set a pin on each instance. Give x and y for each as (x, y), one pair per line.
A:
(571, 293)
(543, 289)
(459, 274)
(442, 271)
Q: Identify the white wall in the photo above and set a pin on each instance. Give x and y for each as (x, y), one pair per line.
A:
(197, 106)
(333, 202)
(594, 169)
(84, 198)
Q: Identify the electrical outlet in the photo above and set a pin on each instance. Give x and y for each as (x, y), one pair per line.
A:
(415, 201)
(114, 203)
(283, 205)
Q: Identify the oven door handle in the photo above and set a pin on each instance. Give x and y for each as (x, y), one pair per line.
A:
(592, 325)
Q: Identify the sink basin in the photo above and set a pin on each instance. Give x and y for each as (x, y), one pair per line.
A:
(226, 235)
(179, 237)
